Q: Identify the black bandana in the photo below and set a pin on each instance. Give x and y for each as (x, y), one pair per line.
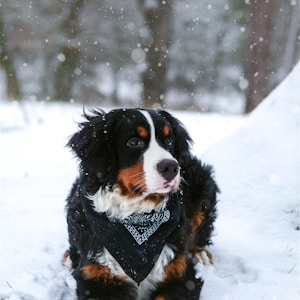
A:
(136, 241)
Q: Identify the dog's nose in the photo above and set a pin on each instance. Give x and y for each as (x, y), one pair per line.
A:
(168, 168)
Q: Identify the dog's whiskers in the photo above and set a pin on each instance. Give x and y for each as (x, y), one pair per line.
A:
(137, 174)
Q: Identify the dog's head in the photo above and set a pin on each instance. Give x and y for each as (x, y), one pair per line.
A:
(137, 150)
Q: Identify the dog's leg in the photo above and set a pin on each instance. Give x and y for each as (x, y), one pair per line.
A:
(71, 258)
(200, 189)
(180, 282)
(95, 281)
(199, 237)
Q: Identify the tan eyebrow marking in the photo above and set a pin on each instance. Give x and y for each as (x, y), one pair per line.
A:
(166, 130)
(143, 132)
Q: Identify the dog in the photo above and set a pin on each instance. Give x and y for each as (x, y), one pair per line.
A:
(142, 209)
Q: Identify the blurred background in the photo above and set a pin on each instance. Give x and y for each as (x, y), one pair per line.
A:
(204, 55)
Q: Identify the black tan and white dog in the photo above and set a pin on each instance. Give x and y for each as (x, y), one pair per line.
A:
(142, 209)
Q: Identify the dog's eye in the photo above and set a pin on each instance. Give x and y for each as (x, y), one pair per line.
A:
(136, 143)
(169, 142)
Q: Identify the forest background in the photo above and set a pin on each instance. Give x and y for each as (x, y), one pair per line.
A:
(201, 55)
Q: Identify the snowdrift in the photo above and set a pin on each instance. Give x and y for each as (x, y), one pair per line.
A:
(258, 170)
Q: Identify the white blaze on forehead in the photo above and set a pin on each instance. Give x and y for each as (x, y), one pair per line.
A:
(152, 156)
(155, 152)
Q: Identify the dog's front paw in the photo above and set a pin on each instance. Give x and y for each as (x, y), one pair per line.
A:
(66, 261)
(203, 256)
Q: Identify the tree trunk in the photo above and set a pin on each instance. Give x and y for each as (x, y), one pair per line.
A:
(12, 83)
(158, 19)
(65, 73)
(69, 56)
(290, 54)
(260, 26)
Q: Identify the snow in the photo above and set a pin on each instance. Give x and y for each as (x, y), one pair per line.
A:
(257, 167)
(256, 159)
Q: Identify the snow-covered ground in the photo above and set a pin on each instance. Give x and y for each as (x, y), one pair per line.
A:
(256, 158)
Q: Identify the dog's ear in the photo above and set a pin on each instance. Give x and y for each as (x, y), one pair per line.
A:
(182, 138)
(93, 144)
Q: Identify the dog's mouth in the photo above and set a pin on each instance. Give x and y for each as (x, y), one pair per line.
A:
(172, 187)
(166, 184)
(167, 187)
(158, 185)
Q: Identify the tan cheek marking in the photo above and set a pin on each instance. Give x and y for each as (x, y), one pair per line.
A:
(176, 268)
(132, 177)
(166, 130)
(143, 132)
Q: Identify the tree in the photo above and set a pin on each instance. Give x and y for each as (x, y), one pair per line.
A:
(111, 52)
(6, 61)
(291, 52)
(258, 61)
(69, 58)
(158, 19)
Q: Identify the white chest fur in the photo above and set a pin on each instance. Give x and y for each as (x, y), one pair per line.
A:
(149, 283)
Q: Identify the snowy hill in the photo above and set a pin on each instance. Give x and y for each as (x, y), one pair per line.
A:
(258, 230)
(256, 244)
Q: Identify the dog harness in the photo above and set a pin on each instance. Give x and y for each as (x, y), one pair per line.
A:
(136, 241)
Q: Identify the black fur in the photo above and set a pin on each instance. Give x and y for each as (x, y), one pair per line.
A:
(98, 145)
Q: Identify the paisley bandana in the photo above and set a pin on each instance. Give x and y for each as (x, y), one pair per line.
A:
(142, 226)
(136, 241)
